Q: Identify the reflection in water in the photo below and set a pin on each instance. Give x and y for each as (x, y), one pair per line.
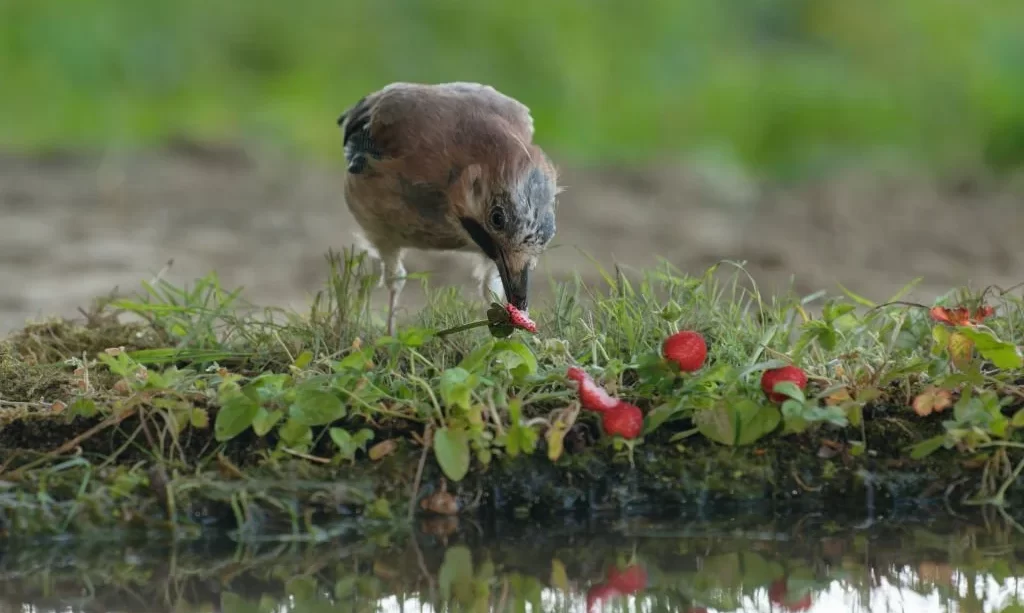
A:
(743, 564)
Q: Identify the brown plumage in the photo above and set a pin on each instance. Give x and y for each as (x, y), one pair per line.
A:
(449, 167)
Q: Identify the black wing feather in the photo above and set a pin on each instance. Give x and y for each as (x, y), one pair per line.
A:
(356, 140)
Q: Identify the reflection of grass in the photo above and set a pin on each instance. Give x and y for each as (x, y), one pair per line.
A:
(725, 564)
(779, 83)
(213, 412)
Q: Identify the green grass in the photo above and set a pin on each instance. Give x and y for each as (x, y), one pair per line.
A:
(210, 402)
(778, 86)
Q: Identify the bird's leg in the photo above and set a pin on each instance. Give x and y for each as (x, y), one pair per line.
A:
(394, 278)
(363, 244)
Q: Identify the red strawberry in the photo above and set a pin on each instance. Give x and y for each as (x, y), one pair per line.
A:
(778, 375)
(687, 349)
(520, 319)
(592, 396)
(624, 420)
(630, 580)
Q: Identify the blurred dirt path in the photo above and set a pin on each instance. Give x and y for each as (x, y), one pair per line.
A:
(73, 227)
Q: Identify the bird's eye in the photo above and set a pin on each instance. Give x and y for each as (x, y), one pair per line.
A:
(498, 218)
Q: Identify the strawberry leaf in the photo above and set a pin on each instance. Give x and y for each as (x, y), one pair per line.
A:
(451, 448)
(1004, 355)
(737, 423)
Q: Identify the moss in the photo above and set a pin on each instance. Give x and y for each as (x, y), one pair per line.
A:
(24, 381)
(57, 339)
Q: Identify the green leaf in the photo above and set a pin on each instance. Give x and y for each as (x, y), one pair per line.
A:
(199, 418)
(671, 311)
(267, 387)
(519, 438)
(456, 573)
(265, 421)
(998, 426)
(83, 407)
(662, 414)
(357, 361)
(789, 389)
(348, 444)
(477, 358)
(316, 408)
(927, 447)
(378, 509)
(413, 337)
(501, 330)
(451, 448)
(302, 588)
(1018, 419)
(294, 434)
(303, 359)
(761, 366)
(757, 570)
(457, 387)
(940, 336)
(516, 358)
(234, 417)
(737, 423)
(345, 587)
(856, 297)
(1001, 353)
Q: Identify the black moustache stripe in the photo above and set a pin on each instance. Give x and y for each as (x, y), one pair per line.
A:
(480, 237)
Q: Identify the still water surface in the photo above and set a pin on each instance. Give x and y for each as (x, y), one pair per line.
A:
(749, 564)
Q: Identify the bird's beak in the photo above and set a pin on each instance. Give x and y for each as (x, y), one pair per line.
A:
(515, 279)
(513, 268)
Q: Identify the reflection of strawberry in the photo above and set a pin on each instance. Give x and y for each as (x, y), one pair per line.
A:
(520, 319)
(630, 580)
(592, 396)
(598, 595)
(687, 349)
(792, 374)
(777, 594)
(624, 420)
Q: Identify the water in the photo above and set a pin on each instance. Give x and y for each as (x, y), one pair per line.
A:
(744, 564)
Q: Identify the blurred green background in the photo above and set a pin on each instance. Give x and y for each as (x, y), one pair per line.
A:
(777, 86)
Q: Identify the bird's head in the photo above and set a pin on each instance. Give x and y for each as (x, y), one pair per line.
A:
(509, 214)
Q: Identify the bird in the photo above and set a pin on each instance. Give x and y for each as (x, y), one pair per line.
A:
(449, 167)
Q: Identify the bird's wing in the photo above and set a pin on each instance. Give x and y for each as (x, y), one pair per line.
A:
(414, 122)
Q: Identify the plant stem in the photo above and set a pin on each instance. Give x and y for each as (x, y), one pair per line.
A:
(463, 327)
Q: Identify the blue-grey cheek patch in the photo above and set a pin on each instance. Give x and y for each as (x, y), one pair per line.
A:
(428, 200)
(543, 230)
(539, 189)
